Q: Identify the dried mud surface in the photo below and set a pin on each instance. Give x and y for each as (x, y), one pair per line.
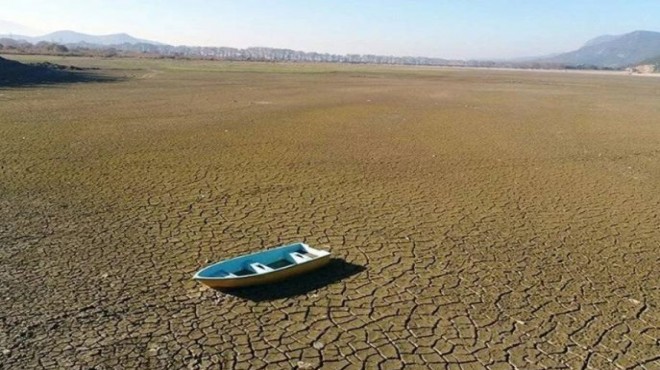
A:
(483, 219)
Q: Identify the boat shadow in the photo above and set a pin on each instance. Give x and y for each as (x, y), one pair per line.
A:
(336, 270)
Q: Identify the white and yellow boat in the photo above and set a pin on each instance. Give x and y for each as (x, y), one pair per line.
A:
(264, 267)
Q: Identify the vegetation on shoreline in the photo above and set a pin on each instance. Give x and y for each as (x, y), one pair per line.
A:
(143, 50)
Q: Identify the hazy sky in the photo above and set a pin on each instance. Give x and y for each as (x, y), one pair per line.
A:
(447, 29)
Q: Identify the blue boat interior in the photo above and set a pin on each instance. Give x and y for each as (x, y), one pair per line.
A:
(258, 263)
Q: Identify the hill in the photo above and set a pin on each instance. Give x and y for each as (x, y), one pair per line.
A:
(612, 51)
(16, 73)
(76, 38)
(13, 73)
(655, 61)
(647, 66)
(603, 52)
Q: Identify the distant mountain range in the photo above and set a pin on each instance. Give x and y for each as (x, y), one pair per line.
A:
(613, 51)
(109, 44)
(655, 62)
(607, 51)
(77, 38)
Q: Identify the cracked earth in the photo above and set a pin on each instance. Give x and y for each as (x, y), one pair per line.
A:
(481, 219)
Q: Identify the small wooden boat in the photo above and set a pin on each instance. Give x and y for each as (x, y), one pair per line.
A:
(263, 267)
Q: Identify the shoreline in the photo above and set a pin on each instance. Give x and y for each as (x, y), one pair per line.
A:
(453, 67)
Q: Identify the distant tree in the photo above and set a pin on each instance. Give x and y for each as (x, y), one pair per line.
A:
(60, 48)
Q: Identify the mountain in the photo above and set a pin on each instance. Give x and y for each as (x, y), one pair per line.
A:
(612, 51)
(655, 61)
(647, 66)
(601, 39)
(122, 44)
(607, 51)
(74, 38)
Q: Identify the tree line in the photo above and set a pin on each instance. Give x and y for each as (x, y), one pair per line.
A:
(262, 54)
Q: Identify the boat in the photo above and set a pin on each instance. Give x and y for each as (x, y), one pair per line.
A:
(263, 267)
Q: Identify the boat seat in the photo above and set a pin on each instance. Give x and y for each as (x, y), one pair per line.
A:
(260, 268)
(299, 258)
(226, 273)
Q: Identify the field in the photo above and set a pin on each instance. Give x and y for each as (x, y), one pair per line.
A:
(480, 218)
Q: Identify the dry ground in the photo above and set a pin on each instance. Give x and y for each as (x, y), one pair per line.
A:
(486, 219)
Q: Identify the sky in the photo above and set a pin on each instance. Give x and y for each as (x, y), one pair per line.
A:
(456, 29)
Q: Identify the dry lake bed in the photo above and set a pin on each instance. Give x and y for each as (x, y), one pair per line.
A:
(480, 218)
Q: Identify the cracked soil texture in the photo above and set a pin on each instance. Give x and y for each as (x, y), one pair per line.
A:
(485, 219)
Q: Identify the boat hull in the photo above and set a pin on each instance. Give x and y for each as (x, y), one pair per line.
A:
(272, 277)
(263, 267)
